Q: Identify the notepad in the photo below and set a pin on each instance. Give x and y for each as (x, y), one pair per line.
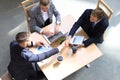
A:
(77, 40)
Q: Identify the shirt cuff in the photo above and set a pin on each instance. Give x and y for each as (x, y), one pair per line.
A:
(59, 48)
(58, 22)
(32, 44)
(41, 31)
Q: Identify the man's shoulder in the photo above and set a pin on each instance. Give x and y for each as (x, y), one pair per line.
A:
(34, 8)
(51, 4)
(13, 43)
(105, 22)
(88, 10)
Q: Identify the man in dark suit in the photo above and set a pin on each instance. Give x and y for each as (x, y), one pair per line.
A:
(41, 15)
(22, 65)
(94, 23)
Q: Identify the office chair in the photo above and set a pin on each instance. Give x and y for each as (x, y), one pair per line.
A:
(107, 10)
(27, 5)
(6, 76)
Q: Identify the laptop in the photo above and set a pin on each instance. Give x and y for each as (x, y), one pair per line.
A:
(55, 37)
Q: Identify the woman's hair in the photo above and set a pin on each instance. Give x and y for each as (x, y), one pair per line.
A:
(99, 13)
(44, 2)
(22, 37)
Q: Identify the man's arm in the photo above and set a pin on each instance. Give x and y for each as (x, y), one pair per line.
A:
(77, 24)
(56, 13)
(57, 16)
(30, 56)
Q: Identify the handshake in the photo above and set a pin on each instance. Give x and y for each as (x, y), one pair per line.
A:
(63, 45)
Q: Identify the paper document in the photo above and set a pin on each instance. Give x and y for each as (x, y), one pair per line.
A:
(42, 49)
(77, 40)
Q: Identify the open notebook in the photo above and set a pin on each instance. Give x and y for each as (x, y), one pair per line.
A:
(55, 37)
(77, 40)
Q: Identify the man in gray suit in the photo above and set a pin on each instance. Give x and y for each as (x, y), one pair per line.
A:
(41, 15)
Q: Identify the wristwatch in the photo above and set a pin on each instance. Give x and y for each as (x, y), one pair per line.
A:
(58, 22)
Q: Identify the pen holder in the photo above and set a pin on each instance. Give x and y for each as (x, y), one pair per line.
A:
(74, 48)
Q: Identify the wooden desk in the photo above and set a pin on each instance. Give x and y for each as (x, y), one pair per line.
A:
(65, 26)
(71, 62)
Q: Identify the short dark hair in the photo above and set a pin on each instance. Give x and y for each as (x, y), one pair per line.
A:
(22, 37)
(44, 2)
(99, 13)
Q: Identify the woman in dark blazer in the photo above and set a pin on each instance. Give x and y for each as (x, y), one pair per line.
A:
(94, 23)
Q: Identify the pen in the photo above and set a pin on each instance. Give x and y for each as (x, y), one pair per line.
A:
(42, 44)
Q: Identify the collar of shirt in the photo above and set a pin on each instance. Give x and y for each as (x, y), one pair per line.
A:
(95, 23)
(44, 15)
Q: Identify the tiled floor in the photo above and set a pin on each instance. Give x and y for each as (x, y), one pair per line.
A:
(12, 20)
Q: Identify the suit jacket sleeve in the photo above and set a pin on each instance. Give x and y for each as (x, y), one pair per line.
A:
(28, 55)
(77, 24)
(56, 12)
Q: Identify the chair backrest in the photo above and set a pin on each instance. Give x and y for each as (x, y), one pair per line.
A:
(27, 5)
(107, 10)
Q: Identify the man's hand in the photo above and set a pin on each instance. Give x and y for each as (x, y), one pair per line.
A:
(57, 29)
(81, 45)
(39, 44)
(67, 41)
(48, 32)
(61, 46)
